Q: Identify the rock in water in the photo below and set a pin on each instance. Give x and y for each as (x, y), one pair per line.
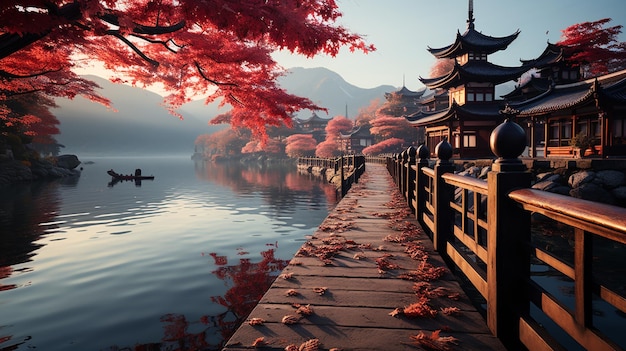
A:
(68, 161)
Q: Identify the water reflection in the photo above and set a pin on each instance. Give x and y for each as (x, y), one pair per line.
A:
(22, 208)
(246, 281)
(122, 267)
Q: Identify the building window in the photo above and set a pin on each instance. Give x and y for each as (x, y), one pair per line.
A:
(566, 132)
(480, 94)
(477, 56)
(469, 140)
(559, 133)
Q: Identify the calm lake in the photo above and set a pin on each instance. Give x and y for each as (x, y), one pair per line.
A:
(171, 263)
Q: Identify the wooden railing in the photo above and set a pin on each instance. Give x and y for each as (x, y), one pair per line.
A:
(483, 230)
(349, 168)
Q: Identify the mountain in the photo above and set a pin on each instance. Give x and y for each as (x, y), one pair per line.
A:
(328, 89)
(138, 124)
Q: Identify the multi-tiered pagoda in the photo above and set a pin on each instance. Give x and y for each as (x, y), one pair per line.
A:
(473, 111)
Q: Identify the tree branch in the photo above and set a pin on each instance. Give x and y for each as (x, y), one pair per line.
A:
(132, 46)
(200, 70)
(6, 74)
(141, 29)
(154, 41)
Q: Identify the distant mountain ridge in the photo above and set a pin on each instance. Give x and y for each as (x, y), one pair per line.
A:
(142, 125)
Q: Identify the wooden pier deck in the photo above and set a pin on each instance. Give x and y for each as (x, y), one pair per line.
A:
(371, 281)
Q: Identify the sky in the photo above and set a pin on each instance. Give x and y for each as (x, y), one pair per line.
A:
(402, 31)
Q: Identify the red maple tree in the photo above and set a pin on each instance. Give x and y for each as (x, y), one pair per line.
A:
(594, 46)
(330, 146)
(387, 145)
(215, 48)
(300, 145)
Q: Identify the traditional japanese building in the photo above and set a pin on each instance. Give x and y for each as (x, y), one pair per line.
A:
(354, 141)
(405, 101)
(595, 107)
(314, 125)
(550, 68)
(473, 111)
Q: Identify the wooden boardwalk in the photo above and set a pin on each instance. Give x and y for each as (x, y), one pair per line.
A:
(373, 282)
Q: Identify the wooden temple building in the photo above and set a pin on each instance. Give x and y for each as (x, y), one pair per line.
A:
(554, 104)
(314, 125)
(473, 110)
(595, 107)
(354, 141)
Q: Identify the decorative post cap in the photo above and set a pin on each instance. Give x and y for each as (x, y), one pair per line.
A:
(405, 155)
(412, 151)
(443, 150)
(423, 152)
(508, 140)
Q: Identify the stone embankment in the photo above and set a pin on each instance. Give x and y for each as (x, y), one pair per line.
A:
(327, 174)
(12, 171)
(603, 182)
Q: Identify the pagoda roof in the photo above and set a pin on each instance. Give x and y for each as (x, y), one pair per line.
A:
(473, 41)
(472, 111)
(551, 54)
(474, 71)
(610, 87)
(313, 118)
(534, 86)
(434, 95)
(408, 93)
(357, 131)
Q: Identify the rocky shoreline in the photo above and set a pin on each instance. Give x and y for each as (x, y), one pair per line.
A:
(13, 171)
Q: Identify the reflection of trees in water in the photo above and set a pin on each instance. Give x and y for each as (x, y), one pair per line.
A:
(247, 282)
(281, 186)
(22, 209)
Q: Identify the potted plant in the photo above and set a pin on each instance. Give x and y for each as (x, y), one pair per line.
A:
(580, 143)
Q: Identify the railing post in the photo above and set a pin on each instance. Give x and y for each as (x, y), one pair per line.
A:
(443, 194)
(403, 163)
(398, 171)
(343, 181)
(508, 266)
(411, 151)
(420, 181)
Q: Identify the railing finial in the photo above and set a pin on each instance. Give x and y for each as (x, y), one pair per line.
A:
(423, 152)
(508, 141)
(443, 150)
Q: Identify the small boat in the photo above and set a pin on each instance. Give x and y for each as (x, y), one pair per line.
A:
(136, 176)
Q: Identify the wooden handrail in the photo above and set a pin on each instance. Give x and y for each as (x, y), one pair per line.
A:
(484, 229)
(469, 183)
(604, 220)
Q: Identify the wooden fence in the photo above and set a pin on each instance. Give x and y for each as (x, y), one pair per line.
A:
(483, 230)
(348, 168)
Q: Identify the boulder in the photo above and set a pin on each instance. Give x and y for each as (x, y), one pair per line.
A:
(592, 192)
(68, 161)
(619, 193)
(610, 178)
(546, 185)
(579, 178)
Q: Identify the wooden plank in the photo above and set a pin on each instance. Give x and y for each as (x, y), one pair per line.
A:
(354, 310)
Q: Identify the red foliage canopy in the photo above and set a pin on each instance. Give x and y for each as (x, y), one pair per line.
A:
(387, 126)
(300, 145)
(327, 149)
(215, 48)
(336, 126)
(595, 47)
(441, 67)
(388, 145)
